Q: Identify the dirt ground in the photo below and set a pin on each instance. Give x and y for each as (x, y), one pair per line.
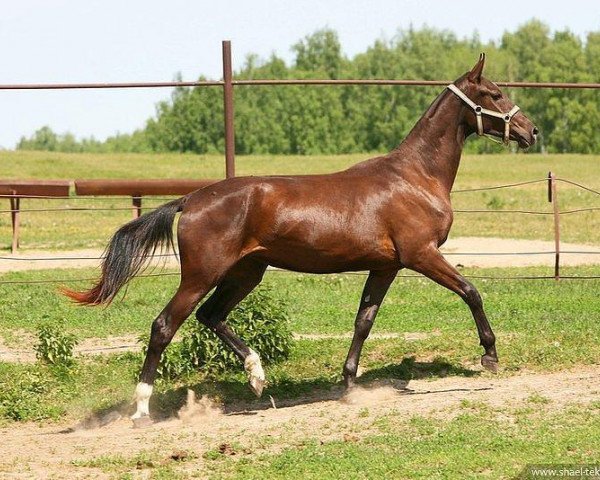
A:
(66, 450)
(62, 450)
(35, 260)
(24, 353)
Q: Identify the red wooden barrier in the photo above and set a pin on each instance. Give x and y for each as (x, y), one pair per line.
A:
(137, 189)
(14, 190)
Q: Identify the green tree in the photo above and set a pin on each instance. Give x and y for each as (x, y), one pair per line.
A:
(318, 119)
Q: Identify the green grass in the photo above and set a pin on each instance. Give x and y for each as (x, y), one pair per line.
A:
(93, 229)
(489, 443)
(540, 325)
(319, 303)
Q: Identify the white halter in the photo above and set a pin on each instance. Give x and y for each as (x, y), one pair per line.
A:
(479, 111)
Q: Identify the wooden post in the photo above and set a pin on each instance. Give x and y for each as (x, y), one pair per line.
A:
(15, 204)
(136, 203)
(553, 198)
(228, 111)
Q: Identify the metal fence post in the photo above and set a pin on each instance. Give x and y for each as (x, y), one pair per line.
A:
(228, 111)
(15, 206)
(136, 206)
(553, 198)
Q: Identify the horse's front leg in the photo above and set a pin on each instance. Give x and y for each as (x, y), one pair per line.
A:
(432, 264)
(374, 291)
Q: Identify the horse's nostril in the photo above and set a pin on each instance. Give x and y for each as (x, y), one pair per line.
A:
(535, 131)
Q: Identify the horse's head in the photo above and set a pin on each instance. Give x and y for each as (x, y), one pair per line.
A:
(491, 112)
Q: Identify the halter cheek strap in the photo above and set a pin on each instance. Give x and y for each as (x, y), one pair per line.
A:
(480, 111)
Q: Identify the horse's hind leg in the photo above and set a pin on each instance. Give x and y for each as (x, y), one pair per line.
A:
(374, 291)
(164, 328)
(236, 285)
(432, 264)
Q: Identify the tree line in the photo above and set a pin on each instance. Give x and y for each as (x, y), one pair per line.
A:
(342, 119)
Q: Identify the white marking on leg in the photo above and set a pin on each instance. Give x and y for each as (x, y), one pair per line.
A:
(256, 374)
(143, 392)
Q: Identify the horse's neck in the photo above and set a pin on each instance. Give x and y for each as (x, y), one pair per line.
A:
(435, 143)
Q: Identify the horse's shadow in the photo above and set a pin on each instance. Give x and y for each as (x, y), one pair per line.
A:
(238, 400)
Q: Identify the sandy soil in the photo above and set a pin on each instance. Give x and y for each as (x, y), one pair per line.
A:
(60, 451)
(43, 259)
(24, 353)
(33, 260)
(502, 247)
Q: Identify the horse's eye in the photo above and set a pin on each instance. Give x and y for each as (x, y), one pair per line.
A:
(497, 95)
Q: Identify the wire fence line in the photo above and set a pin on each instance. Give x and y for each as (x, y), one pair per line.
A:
(175, 255)
(80, 197)
(276, 270)
(128, 197)
(158, 199)
(165, 255)
(496, 187)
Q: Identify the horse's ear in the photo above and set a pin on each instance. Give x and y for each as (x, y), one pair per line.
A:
(476, 71)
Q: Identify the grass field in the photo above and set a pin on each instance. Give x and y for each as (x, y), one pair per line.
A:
(540, 326)
(60, 230)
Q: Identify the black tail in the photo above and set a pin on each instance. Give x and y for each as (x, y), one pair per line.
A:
(128, 251)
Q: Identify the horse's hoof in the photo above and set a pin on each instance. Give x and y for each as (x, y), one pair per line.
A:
(142, 422)
(256, 385)
(256, 374)
(489, 363)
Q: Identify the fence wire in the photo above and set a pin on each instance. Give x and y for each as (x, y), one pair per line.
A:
(153, 199)
(165, 255)
(275, 270)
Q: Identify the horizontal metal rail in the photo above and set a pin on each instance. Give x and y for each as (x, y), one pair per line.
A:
(284, 82)
(76, 86)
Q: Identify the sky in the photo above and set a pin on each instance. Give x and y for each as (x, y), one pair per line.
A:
(63, 41)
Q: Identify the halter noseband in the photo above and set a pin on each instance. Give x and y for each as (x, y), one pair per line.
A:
(480, 111)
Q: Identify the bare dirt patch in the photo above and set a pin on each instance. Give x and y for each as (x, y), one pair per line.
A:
(85, 258)
(516, 253)
(20, 349)
(30, 449)
(500, 247)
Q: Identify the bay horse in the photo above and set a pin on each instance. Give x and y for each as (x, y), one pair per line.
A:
(381, 215)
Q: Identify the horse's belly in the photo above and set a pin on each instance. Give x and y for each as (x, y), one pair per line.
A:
(330, 257)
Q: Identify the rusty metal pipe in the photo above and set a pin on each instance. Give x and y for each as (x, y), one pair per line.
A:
(553, 198)
(72, 86)
(139, 188)
(228, 111)
(269, 82)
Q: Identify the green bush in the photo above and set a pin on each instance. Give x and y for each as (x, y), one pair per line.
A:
(55, 347)
(260, 320)
(25, 397)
